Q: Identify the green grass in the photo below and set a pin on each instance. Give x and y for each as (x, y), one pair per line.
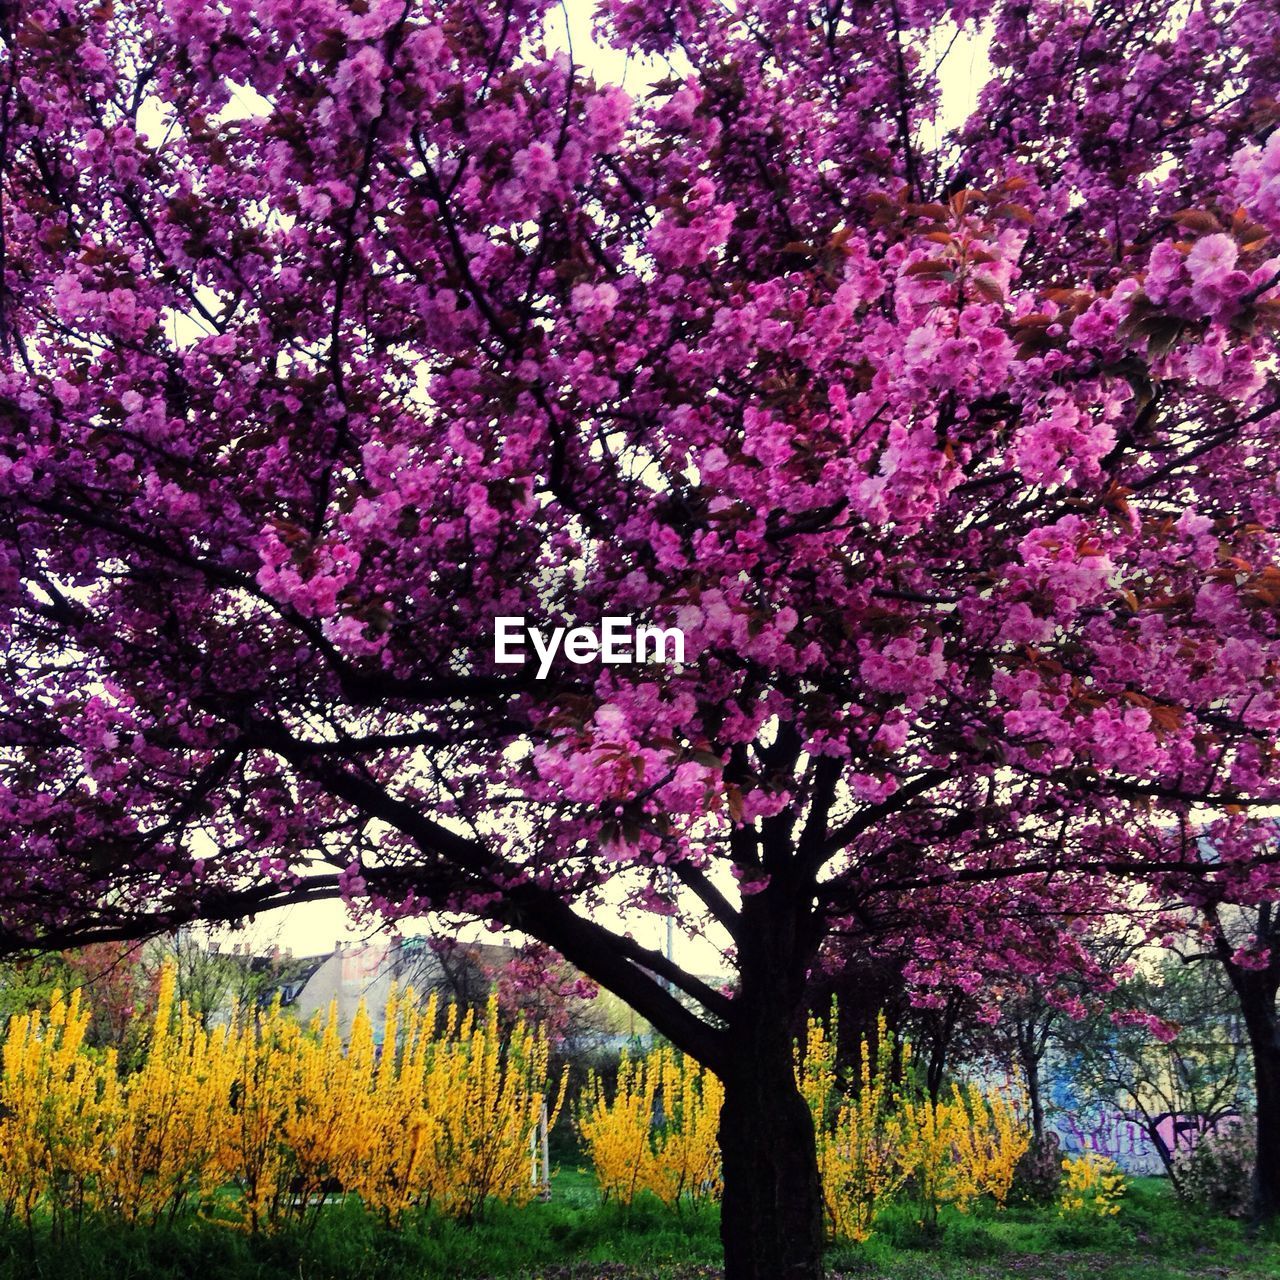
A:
(1152, 1238)
(575, 1238)
(348, 1244)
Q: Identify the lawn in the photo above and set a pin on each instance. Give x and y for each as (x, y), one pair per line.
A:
(575, 1238)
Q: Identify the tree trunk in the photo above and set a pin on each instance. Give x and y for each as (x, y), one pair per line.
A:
(1031, 1025)
(1031, 1069)
(1258, 1006)
(1257, 993)
(1266, 1190)
(943, 1031)
(771, 1216)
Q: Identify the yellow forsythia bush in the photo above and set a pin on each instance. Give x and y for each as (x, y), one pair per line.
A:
(959, 1147)
(887, 1136)
(162, 1124)
(441, 1115)
(53, 1142)
(857, 1158)
(457, 1112)
(657, 1132)
(1093, 1186)
(927, 1136)
(990, 1141)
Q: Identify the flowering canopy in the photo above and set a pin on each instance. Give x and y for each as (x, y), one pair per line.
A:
(333, 330)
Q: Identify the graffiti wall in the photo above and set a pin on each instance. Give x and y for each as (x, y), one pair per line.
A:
(1108, 1133)
(1111, 1131)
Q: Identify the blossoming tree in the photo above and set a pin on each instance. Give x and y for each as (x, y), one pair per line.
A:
(1234, 918)
(332, 331)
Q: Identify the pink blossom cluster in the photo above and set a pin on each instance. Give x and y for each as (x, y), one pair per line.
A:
(952, 449)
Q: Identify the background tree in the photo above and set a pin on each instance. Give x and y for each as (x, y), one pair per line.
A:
(1246, 943)
(116, 985)
(1028, 1020)
(537, 987)
(1036, 1017)
(208, 979)
(1180, 1081)
(29, 981)
(1237, 932)
(330, 332)
(454, 969)
(948, 1026)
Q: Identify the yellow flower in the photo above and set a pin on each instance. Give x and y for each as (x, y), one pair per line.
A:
(442, 1115)
(657, 1132)
(1093, 1185)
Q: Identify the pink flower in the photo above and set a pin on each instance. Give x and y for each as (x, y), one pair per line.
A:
(1212, 257)
(594, 304)
(607, 113)
(535, 165)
